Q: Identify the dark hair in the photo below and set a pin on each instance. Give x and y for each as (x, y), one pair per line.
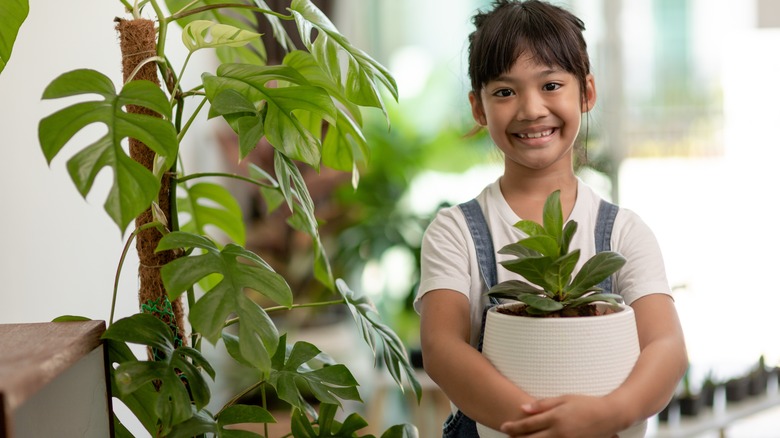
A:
(550, 34)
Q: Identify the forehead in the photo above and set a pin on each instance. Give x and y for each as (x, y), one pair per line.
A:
(527, 65)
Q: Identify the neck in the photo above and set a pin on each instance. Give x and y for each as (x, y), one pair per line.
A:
(526, 194)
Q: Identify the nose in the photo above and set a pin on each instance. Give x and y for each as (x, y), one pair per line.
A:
(531, 106)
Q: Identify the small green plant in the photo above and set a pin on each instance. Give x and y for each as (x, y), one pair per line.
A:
(543, 259)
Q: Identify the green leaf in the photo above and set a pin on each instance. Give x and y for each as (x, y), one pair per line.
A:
(70, 318)
(351, 425)
(596, 269)
(568, 234)
(306, 64)
(512, 289)
(201, 34)
(544, 245)
(374, 333)
(282, 128)
(12, 15)
(238, 414)
(344, 145)
(543, 304)
(141, 402)
(176, 364)
(233, 348)
(143, 329)
(269, 189)
(531, 228)
(532, 269)
(553, 216)
(327, 384)
(254, 52)
(300, 425)
(362, 70)
(401, 431)
(210, 204)
(518, 250)
(559, 273)
(296, 193)
(199, 424)
(120, 431)
(327, 426)
(240, 269)
(134, 187)
(614, 299)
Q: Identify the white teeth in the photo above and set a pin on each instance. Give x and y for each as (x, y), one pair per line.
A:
(537, 134)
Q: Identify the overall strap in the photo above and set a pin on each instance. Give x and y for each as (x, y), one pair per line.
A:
(483, 242)
(486, 257)
(603, 233)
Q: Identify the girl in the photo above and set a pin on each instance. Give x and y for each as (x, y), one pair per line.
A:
(531, 83)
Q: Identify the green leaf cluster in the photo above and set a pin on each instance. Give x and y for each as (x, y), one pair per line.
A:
(545, 262)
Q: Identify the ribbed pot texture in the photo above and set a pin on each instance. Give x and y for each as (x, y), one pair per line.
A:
(548, 357)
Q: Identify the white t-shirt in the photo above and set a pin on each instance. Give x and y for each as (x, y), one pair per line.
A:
(449, 258)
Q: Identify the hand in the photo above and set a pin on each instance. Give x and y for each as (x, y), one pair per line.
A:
(567, 416)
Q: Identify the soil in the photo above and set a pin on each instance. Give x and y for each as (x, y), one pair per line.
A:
(589, 310)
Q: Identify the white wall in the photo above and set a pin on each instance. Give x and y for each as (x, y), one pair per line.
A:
(59, 251)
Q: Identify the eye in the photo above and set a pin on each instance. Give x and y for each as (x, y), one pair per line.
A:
(552, 86)
(503, 92)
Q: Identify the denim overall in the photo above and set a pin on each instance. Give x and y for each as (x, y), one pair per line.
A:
(459, 425)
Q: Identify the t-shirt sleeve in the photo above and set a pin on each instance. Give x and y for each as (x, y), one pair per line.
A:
(644, 272)
(445, 255)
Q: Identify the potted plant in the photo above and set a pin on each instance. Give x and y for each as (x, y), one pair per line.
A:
(759, 378)
(691, 402)
(564, 335)
(709, 389)
(189, 231)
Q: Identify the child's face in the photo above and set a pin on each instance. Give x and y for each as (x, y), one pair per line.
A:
(533, 113)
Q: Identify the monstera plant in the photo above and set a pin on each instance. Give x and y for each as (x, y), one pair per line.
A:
(188, 230)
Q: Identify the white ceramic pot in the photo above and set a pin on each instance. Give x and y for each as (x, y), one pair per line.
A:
(548, 357)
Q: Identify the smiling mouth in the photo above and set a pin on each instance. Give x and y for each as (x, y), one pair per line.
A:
(536, 134)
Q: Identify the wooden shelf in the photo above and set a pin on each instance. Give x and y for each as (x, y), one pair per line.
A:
(53, 378)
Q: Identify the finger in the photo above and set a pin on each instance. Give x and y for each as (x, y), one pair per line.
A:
(526, 426)
(540, 405)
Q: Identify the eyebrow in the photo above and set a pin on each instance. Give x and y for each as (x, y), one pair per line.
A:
(542, 74)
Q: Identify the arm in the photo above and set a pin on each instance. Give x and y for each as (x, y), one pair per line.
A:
(662, 361)
(468, 379)
(661, 364)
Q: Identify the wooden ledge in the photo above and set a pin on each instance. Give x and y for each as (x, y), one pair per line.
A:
(32, 355)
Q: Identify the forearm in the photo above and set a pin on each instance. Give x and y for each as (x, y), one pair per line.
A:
(470, 381)
(661, 364)
(473, 384)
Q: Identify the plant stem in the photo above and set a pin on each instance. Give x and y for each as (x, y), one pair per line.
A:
(225, 175)
(232, 321)
(163, 29)
(183, 13)
(125, 250)
(175, 90)
(265, 406)
(140, 65)
(187, 125)
(127, 5)
(246, 391)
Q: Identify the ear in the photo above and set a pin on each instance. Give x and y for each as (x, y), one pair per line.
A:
(589, 99)
(477, 111)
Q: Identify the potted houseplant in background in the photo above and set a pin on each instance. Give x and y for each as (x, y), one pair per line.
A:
(564, 335)
(189, 231)
(691, 401)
